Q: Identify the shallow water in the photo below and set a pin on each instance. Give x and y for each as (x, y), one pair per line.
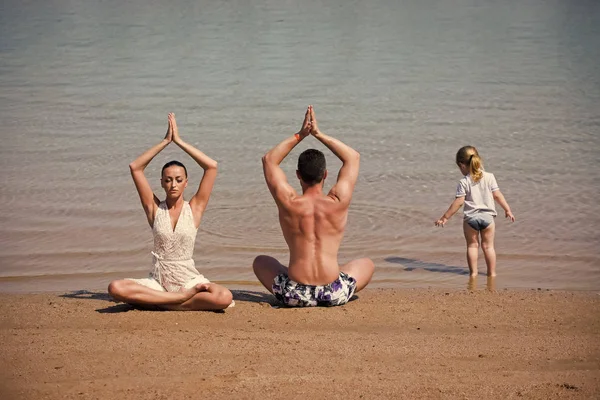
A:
(85, 87)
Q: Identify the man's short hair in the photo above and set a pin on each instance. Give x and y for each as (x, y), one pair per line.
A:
(312, 166)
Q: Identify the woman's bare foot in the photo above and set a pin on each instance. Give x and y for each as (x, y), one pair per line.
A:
(191, 292)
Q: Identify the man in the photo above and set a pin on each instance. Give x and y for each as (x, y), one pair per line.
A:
(313, 225)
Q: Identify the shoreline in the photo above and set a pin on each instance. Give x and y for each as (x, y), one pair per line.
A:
(388, 343)
(61, 283)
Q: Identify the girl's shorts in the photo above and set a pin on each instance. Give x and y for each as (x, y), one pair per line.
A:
(480, 221)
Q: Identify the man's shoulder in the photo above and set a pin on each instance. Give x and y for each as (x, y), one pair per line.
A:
(301, 202)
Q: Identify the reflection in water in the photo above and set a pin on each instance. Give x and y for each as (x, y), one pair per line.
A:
(472, 284)
(491, 283)
(489, 286)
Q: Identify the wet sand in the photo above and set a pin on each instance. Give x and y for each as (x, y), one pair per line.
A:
(389, 343)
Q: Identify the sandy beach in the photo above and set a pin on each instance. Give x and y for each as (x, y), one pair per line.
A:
(86, 87)
(388, 343)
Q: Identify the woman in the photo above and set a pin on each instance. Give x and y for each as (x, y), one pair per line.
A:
(174, 282)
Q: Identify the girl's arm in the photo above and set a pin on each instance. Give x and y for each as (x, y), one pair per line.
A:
(149, 200)
(499, 197)
(200, 199)
(454, 207)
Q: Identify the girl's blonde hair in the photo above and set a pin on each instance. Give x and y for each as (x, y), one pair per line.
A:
(469, 156)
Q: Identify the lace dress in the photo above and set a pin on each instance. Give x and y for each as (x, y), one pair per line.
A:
(173, 249)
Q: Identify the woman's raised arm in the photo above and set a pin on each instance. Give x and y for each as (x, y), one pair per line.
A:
(149, 200)
(200, 199)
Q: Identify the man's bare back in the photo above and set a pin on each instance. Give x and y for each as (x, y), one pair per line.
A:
(313, 226)
(313, 223)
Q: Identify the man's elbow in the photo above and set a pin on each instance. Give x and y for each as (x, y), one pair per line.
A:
(266, 159)
(213, 165)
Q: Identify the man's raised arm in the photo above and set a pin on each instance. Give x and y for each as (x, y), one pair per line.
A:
(274, 175)
(350, 158)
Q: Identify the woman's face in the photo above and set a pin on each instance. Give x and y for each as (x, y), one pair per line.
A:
(174, 181)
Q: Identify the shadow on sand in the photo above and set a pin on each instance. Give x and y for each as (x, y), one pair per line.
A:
(118, 307)
(412, 264)
(86, 294)
(238, 295)
(254, 297)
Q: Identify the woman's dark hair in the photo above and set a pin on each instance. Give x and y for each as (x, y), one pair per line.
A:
(311, 166)
(172, 163)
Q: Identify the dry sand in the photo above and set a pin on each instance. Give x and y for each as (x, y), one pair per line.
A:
(432, 344)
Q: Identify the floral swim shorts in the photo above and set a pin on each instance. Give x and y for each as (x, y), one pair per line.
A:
(294, 294)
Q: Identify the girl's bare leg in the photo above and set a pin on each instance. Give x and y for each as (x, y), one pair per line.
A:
(133, 293)
(211, 297)
(472, 238)
(487, 243)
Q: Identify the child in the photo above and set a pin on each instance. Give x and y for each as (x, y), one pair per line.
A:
(477, 190)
